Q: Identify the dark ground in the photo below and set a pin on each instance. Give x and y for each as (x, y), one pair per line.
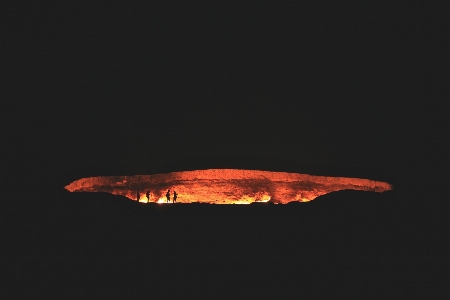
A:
(355, 89)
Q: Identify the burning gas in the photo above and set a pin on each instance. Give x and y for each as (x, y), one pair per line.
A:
(224, 186)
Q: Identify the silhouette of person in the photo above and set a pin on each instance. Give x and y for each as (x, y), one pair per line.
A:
(174, 196)
(138, 196)
(168, 195)
(148, 195)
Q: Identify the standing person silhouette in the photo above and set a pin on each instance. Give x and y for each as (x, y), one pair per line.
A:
(168, 196)
(138, 196)
(174, 196)
(148, 196)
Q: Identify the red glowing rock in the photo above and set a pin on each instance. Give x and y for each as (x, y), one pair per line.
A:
(225, 186)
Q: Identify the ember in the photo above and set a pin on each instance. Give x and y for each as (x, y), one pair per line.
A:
(224, 186)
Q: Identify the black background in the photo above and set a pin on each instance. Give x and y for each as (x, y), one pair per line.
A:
(342, 88)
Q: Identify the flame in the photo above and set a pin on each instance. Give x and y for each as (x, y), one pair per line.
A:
(161, 200)
(225, 186)
(266, 198)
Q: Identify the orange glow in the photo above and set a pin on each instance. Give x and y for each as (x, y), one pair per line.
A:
(225, 186)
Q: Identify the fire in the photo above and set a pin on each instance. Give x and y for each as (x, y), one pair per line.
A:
(224, 186)
(265, 199)
(161, 200)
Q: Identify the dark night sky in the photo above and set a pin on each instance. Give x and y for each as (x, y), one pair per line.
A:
(133, 85)
(343, 88)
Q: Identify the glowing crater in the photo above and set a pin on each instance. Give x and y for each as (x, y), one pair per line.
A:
(225, 186)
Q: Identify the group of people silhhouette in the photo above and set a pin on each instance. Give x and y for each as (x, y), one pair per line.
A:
(175, 195)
